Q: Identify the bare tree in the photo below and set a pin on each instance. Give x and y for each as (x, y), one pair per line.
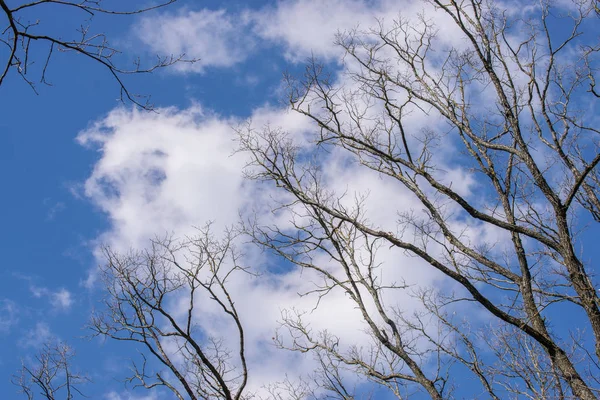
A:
(146, 291)
(24, 30)
(518, 101)
(51, 374)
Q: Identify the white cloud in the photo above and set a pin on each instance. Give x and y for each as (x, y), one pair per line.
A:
(168, 171)
(130, 396)
(308, 27)
(163, 172)
(61, 299)
(214, 38)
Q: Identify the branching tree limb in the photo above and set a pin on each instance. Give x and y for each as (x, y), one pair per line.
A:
(145, 292)
(51, 375)
(20, 35)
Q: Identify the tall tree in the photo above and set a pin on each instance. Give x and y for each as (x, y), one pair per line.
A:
(516, 98)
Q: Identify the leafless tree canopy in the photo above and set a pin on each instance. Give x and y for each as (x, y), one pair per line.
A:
(517, 99)
(145, 294)
(24, 30)
(51, 375)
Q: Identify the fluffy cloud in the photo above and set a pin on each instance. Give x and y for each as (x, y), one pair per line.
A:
(309, 27)
(129, 396)
(61, 299)
(163, 172)
(213, 38)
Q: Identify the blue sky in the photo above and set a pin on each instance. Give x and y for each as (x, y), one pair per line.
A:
(74, 165)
